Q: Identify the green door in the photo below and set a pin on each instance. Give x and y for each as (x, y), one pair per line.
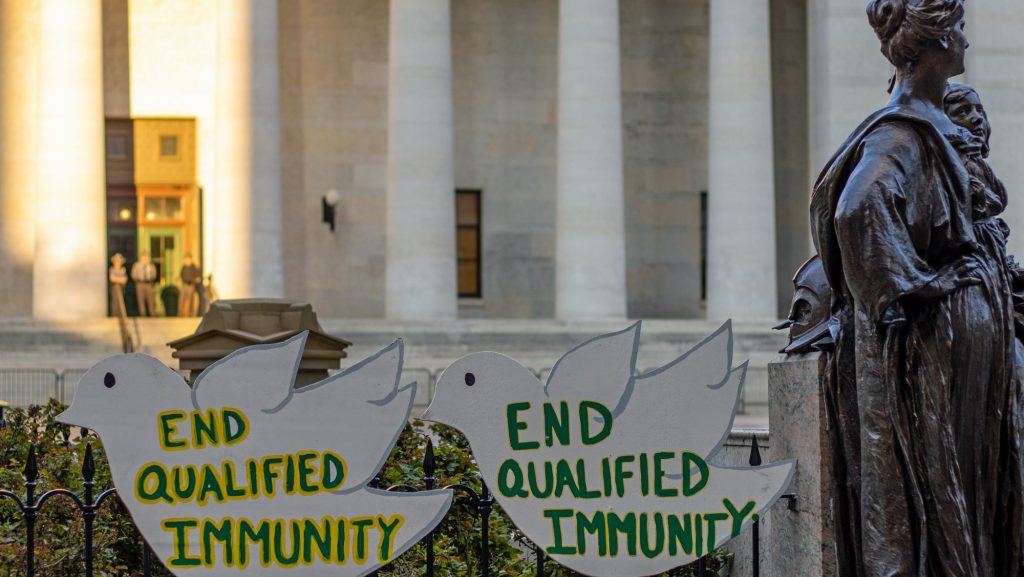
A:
(166, 249)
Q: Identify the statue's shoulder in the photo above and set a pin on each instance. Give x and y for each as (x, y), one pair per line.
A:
(894, 132)
(897, 122)
(894, 138)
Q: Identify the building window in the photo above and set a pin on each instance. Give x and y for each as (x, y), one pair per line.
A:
(467, 242)
(704, 246)
(161, 208)
(168, 146)
(117, 146)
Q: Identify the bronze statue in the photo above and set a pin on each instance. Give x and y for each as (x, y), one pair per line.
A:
(924, 391)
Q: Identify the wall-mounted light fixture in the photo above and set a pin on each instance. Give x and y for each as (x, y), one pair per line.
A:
(329, 203)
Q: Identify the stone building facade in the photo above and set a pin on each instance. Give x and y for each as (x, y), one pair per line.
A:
(613, 158)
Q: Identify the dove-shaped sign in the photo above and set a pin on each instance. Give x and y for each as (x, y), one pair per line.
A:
(244, 471)
(606, 471)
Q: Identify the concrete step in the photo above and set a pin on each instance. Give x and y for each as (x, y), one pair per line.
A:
(532, 337)
(537, 342)
(429, 347)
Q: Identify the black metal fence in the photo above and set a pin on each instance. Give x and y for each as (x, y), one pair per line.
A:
(89, 502)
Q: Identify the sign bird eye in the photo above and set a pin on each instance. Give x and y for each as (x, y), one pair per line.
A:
(470, 379)
(109, 381)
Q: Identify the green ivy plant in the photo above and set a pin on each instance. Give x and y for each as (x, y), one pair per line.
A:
(60, 538)
(118, 546)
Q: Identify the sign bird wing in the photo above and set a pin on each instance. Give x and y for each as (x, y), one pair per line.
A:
(692, 399)
(602, 369)
(250, 379)
(367, 400)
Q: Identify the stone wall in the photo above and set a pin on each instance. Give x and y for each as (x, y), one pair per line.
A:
(664, 55)
(160, 58)
(505, 83)
(792, 173)
(505, 97)
(334, 75)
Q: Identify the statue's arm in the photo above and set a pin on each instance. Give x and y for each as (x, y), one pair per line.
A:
(886, 198)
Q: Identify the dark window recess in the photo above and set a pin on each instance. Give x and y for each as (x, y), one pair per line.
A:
(121, 210)
(117, 146)
(160, 250)
(168, 146)
(704, 246)
(467, 242)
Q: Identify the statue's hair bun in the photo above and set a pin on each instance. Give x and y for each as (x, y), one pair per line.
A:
(906, 27)
(886, 17)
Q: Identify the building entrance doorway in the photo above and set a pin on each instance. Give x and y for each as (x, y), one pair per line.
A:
(165, 248)
(164, 245)
(153, 202)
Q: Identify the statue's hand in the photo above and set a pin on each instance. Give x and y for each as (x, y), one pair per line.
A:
(953, 276)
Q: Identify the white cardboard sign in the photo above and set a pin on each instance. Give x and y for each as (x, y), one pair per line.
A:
(609, 472)
(243, 472)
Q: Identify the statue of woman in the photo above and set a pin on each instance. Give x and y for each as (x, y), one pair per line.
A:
(923, 395)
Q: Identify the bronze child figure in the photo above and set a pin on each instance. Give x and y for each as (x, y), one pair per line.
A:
(988, 194)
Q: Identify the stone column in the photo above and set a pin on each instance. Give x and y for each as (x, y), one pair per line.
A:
(847, 75)
(19, 129)
(741, 182)
(246, 198)
(421, 280)
(70, 266)
(590, 240)
(993, 68)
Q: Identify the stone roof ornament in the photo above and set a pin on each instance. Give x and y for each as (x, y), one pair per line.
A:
(233, 324)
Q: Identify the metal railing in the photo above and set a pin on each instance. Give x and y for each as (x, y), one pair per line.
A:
(22, 387)
(30, 505)
(33, 386)
(131, 336)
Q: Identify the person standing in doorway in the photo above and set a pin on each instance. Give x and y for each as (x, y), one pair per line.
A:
(144, 275)
(190, 279)
(118, 277)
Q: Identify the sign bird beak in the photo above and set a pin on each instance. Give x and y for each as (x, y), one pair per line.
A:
(67, 417)
(427, 416)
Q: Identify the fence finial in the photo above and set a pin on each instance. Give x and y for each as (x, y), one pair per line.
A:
(755, 452)
(31, 469)
(428, 460)
(88, 465)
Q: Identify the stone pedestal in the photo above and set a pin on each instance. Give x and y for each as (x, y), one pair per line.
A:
(233, 324)
(801, 542)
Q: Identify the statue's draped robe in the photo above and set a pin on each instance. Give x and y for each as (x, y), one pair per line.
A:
(922, 398)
